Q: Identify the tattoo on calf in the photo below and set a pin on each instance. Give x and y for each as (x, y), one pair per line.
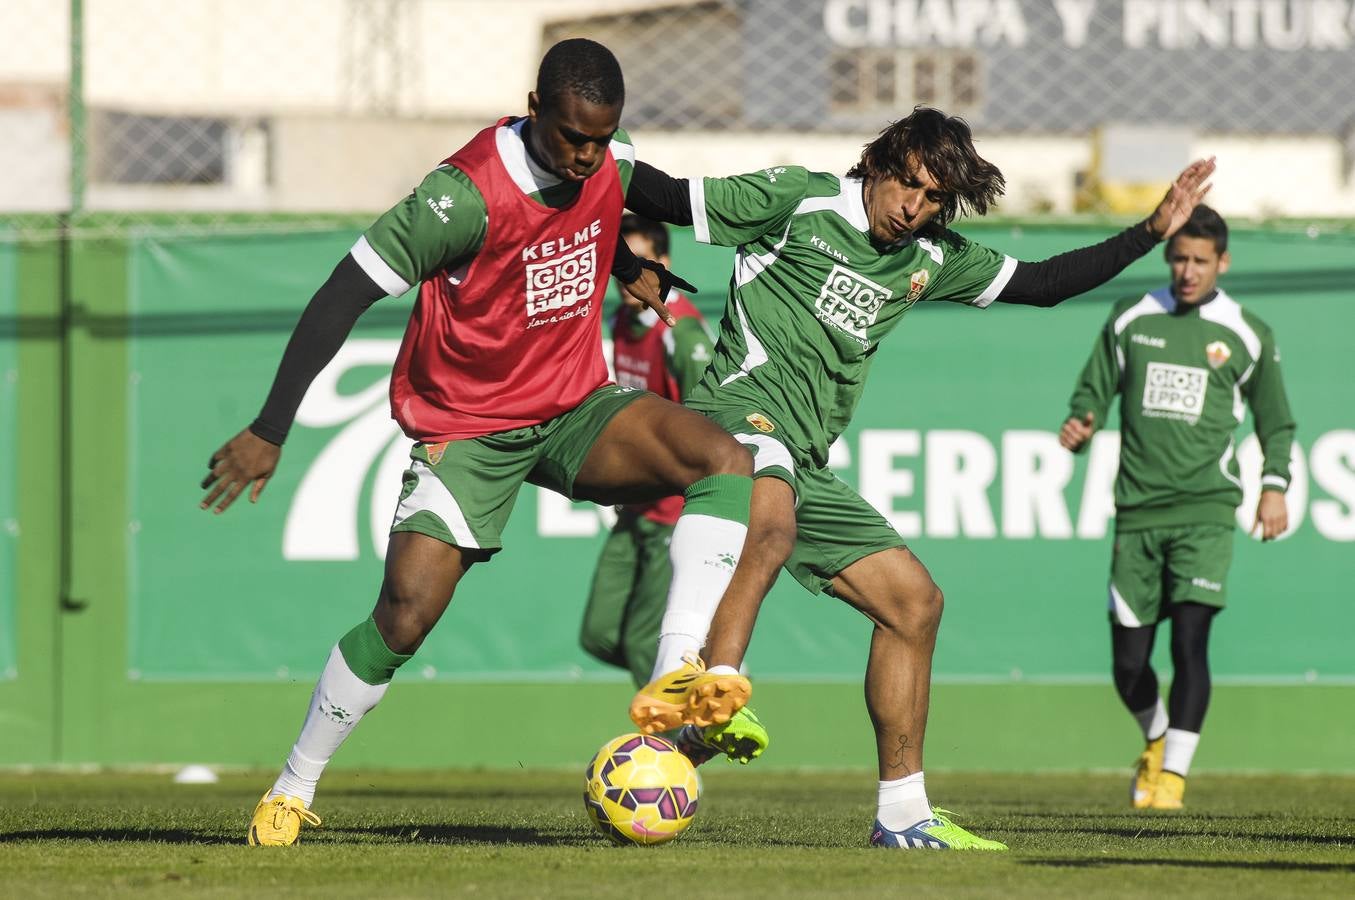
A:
(905, 744)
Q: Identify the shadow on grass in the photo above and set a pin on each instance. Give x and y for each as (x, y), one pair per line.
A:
(1187, 829)
(462, 834)
(1260, 865)
(398, 834)
(434, 793)
(119, 835)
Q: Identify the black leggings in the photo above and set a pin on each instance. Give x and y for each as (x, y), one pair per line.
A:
(1132, 650)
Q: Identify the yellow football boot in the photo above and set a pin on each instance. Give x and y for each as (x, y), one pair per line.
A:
(689, 696)
(1170, 791)
(277, 821)
(1146, 774)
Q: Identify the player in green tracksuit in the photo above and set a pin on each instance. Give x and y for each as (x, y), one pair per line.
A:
(1187, 361)
(825, 268)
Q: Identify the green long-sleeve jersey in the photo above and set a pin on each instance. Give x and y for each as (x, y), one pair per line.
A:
(1186, 375)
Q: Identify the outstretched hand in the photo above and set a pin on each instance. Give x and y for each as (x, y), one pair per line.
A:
(246, 460)
(1181, 199)
(653, 285)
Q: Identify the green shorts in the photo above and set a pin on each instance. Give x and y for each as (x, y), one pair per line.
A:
(629, 595)
(834, 526)
(461, 492)
(1153, 568)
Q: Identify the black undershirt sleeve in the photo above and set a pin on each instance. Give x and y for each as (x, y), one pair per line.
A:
(625, 264)
(659, 196)
(321, 330)
(1056, 279)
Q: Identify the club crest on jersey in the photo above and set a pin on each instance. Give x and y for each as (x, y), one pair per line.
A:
(435, 452)
(761, 423)
(1217, 353)
(916, 283)
(850, 301)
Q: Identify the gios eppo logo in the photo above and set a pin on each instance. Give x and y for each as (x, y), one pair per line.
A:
(850, 301)
(1174, 392)
(561, 283)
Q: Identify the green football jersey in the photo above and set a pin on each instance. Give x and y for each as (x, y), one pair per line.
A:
(1186, 376)
(440, 226)
(812, 296)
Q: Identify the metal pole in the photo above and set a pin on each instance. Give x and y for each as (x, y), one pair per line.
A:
(75, 102)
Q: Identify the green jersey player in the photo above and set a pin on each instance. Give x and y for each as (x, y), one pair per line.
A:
(827, 266)
(1187, 361)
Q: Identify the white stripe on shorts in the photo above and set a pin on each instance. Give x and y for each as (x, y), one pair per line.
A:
(1123, 614)
(431, 495)
(770, 452)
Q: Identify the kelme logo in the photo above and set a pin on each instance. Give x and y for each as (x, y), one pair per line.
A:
(761, 423)
(337, 713)
(726, 561)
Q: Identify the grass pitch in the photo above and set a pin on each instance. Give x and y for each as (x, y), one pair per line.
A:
(776, 834)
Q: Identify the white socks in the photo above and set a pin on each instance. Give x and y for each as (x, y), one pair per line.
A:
(1153, 721)
(339, 701)
(903, 803)
(704, 550)
(1180, 750)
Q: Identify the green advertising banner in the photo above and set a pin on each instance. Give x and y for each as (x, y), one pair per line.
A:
(955, 441)
(9, 513)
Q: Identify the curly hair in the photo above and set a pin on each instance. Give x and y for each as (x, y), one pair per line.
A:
(945, 146)
(582, 67)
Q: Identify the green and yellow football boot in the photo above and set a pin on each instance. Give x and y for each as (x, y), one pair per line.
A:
(742, 739)
(936, 833)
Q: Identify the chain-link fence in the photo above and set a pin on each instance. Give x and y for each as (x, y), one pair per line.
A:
(135, 113)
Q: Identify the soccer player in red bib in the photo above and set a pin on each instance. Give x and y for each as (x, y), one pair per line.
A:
(500, 381)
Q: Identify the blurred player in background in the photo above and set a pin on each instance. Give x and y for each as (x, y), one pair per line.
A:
(825, 268)
(1187, 361)
(630, 586)
(500, 380)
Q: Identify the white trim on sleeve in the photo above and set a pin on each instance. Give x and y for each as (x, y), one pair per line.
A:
(697, 189)
(1004, 275)
(378, 269)
(622, 151)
